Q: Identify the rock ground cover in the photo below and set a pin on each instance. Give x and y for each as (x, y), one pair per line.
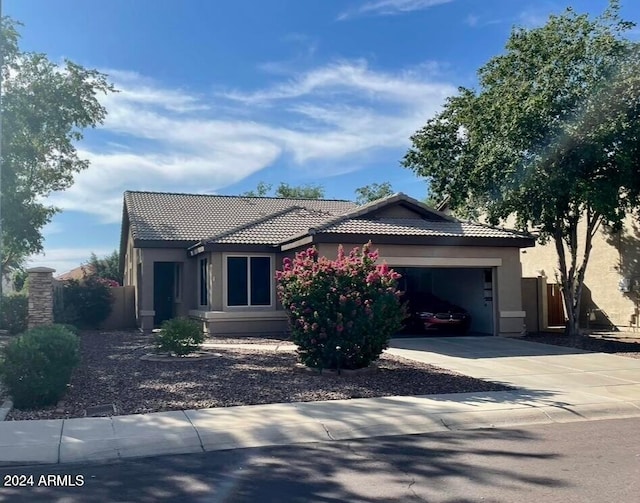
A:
(111, 372)
(625, 344)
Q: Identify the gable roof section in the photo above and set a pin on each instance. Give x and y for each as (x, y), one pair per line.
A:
(428, 223)
(158, 216)
(418, 227)
(273, 229)
(416, 206)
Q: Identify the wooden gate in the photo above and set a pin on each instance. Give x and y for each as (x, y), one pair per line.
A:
(555, 306)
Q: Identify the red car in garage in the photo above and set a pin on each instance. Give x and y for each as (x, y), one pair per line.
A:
(431, 313)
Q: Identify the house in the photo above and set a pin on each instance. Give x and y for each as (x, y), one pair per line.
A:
(611, 293)
(77, 273)
(214, 258)
(612, 280)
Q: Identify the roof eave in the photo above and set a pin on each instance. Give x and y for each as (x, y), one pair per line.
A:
(400, 239)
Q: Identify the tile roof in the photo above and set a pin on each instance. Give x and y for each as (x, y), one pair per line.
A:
(417, 227)
(210, 219)
(159, 216)
(79, 272)
(276, 228)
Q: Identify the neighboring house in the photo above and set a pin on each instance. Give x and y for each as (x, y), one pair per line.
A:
(214, 257)
(612, 280)
(77, 273)
(611, 295)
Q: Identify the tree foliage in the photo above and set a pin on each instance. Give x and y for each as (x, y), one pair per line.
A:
(373, 191)
(107, 267)
(552, 137)
(45, 107)
(84, 304)
(308, 191)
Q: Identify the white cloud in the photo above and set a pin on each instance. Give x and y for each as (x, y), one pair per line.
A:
(390, 7)
(476, 21)
(532, 19)
(349, 77)
(160, 138)
(135, 88)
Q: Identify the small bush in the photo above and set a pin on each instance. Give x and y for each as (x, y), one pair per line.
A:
(343, 312)
(85, 304)
(179, 336)
(36, 366)
(14, 310)
(71, 328)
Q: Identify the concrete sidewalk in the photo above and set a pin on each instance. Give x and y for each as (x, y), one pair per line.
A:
(557, 385)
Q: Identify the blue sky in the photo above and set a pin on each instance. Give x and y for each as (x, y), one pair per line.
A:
(219, 95)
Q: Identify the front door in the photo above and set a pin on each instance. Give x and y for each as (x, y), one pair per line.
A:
(163, 288)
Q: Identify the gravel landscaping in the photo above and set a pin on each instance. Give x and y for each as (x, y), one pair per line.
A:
(621, 344)
(111, 372)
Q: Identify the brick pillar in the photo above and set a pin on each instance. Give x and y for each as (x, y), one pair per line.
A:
(40, 296)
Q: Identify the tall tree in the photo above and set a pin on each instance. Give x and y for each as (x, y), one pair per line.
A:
(45, 107)
(107, 267)
(309, 191)
(372, 192)
(551, 136)
(261, 190)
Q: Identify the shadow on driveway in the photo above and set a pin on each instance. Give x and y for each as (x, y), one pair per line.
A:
(474, 347)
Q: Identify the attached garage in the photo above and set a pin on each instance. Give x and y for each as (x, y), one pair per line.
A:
(480, 273)
(469, 288)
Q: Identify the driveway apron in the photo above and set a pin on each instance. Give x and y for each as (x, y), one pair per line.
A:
(540, 369)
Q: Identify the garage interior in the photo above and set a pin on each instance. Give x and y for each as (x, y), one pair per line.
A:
(470, 288)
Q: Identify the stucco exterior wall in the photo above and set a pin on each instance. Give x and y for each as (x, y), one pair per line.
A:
(396, 211)
(613, 258)
(504, 260)
(189, 280)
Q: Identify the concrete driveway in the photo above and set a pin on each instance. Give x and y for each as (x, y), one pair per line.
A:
(540, 370)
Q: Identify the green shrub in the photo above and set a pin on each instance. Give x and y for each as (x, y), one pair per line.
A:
(71, 328)
(14, 310)
(343, 312)
(85, 304)
(179, 336)
(36, 366)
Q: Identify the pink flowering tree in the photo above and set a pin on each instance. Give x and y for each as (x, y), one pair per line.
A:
(341, 312)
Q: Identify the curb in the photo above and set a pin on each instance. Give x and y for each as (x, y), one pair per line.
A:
(82, 440)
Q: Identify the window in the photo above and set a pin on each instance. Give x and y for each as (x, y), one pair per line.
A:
(204, 286)
(249, 281)
(177, 278)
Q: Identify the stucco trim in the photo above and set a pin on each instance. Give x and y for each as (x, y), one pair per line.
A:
(512, 314)
(238, 315)
(297, 243)
(441, 261)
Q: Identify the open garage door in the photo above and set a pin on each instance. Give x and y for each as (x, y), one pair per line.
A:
(468, 288)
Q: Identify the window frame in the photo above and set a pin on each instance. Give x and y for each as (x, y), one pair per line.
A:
(177, 282)
(203, 282)
(248, 306)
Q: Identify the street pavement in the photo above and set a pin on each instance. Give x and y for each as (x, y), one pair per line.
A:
(554, 385)
(580, 462)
